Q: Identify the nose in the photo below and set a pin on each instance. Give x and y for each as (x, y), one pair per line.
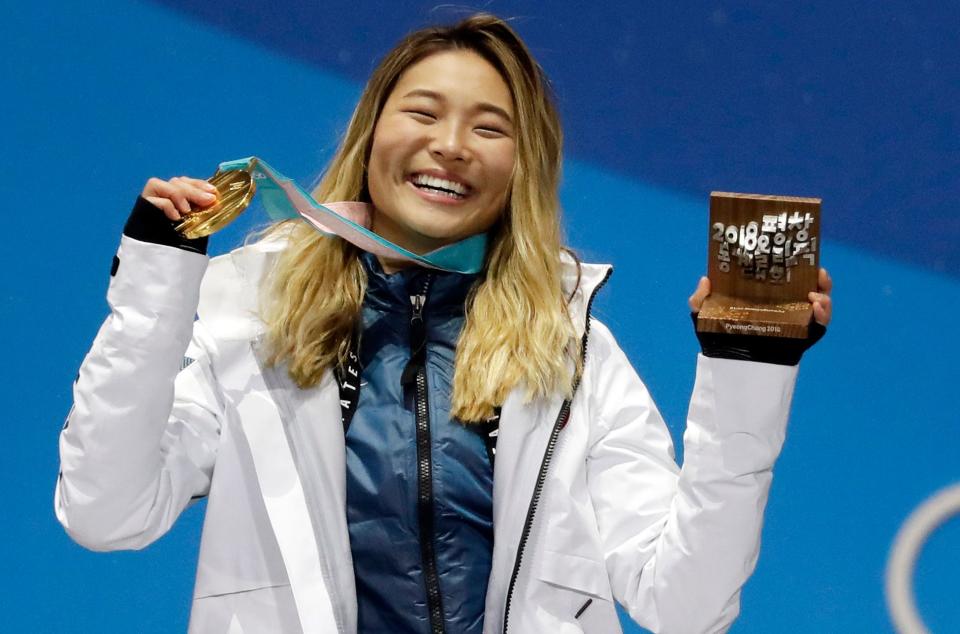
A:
(449, 142)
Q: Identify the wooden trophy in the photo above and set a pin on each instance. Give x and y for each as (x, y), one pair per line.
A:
(763, 259)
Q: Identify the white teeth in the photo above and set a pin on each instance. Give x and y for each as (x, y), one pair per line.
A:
(433, 182)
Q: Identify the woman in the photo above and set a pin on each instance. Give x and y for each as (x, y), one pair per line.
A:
(394, 521)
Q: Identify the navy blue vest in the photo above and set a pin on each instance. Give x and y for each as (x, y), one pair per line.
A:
(417, 565)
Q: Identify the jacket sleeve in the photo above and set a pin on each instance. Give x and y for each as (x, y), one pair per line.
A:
(140, 440)
(680, 543)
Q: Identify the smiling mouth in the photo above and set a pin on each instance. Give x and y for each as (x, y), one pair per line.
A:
(441, 186)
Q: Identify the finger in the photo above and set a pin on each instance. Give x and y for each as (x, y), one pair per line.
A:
(188, 197)
(202, 184)
(821, 314)
(823, 298)
(822, 307)
(194, 185)
(824, 281)
(165, 205)
(154, 187)
(700, 294)
(193, 192)
(203, 198)
(172, 191)
(179, 198)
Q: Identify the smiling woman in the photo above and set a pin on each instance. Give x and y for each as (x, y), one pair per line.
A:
(467, 105)
(443, 152)
(394, 449)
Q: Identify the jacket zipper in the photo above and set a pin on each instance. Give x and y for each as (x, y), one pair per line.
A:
(416, 374)
(562, 417)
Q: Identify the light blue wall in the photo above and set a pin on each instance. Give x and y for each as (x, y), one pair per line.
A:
(100, 97)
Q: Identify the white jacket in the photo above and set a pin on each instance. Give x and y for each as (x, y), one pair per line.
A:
(614, 517)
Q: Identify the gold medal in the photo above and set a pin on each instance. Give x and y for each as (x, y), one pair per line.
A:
(235, 190)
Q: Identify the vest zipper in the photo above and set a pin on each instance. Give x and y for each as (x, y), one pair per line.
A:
(415, 375)
(562, 417)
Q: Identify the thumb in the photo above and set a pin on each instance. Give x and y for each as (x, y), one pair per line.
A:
(700, 294)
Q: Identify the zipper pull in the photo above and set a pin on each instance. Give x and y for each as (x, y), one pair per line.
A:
(418, 334)
(417, 301)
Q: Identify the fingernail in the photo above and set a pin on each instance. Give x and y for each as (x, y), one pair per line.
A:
(208, 196)
(209, 187)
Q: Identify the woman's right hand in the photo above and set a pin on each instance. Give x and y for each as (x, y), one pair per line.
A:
(179, 195)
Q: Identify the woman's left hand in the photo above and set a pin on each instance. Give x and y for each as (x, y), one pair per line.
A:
(696, 300)
(822, 306)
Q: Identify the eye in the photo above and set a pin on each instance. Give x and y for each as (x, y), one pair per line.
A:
(423, 116)
(490, 131)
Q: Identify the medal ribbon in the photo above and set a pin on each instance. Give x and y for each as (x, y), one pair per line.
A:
(284, 199)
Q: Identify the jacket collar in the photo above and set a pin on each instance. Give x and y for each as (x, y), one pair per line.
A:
(391, 292)
(228, 297)
(580, 282)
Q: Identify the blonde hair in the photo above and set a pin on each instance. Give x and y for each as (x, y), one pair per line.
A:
(517, 330)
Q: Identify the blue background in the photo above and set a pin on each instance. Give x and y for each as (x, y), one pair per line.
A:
(662, 102)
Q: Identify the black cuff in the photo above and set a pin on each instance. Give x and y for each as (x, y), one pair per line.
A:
(147, 223)
(778, 350)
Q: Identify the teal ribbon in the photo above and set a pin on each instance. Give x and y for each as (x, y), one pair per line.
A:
(465, 256)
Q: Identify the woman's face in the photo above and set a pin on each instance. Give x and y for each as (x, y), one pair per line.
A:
(443, 152)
